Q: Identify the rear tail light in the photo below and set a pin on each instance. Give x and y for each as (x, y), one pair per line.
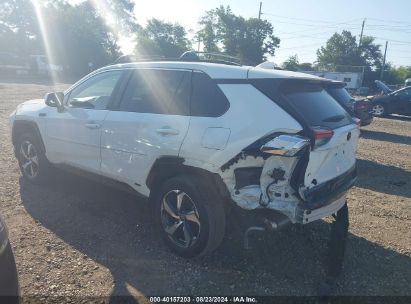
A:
(322, 135)
(361, 105)
(285, 145)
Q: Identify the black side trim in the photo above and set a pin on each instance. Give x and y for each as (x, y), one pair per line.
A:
(100, 179)
(169, 166)
(20, 126)
(9, 284)
(163, 166)
(330, 191)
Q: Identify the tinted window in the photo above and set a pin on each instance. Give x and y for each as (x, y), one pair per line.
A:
(341, 95)
(405, 92)
(95, 92)
(313, 103)
(207, 99)
(157, 91)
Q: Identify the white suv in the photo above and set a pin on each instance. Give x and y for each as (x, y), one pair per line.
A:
(196, 137)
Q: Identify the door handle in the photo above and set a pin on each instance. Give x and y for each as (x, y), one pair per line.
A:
(92, 125)
(167, 131)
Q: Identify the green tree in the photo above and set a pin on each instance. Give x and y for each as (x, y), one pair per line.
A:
(19, 28)
(208, 34)
(162, 39)
(249, 39)
(342, 50)
(306, 66)
(397, 75)
(291, 64)
(76, 35)
(370, 52)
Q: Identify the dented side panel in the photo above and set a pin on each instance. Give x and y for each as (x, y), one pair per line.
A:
(251, 116)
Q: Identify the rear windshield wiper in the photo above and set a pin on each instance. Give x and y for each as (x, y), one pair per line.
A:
(335, 118)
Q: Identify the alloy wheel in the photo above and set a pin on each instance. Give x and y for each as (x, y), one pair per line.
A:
(378, 110)
(29, 159)
(180, 218)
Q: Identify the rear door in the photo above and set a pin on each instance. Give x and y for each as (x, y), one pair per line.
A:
(151, 121)
(336, 144)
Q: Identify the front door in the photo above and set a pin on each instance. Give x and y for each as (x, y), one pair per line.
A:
(73, 136)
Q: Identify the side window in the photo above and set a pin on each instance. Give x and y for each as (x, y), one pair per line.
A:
(95, 92)
(407, 92)
(158, 92)
(207, 99)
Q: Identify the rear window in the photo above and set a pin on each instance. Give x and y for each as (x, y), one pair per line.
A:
(315, 105)
(207, 99)
(341, 95)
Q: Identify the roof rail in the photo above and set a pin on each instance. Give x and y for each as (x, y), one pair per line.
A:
(189, 56)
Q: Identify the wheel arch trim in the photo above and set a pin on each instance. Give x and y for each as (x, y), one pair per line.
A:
(166, 167)
(21, 125)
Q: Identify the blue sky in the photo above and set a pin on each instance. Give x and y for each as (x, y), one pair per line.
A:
(303, 25)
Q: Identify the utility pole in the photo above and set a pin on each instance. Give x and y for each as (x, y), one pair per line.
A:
(362, 31)
(383, 62)
(259, 12)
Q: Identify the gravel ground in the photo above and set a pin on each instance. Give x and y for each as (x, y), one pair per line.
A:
(74, 237)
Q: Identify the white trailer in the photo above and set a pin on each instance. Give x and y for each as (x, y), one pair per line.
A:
(352, 79)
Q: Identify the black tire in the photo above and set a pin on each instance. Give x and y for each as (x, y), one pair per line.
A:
(209, 210)
(9, 285)
(42, 166)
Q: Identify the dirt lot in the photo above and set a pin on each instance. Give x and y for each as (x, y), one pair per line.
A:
(77, 238)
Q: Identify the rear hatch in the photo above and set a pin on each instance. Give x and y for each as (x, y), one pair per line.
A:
(333, 133)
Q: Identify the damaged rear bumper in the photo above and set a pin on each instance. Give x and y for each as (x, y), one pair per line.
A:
(305, 216)
(325, 199)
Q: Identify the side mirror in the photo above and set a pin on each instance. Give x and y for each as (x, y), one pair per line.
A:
(285, 145)
(55, 100)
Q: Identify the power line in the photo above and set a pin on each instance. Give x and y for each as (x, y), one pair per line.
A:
(391, 21)
(306, 24)
(392, 40)
(309, 20)
(316, 34)
(300, 46)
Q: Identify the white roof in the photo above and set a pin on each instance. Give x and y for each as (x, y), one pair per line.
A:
(218, 71)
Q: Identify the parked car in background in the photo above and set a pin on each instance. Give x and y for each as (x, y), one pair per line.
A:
(408, 82)
(359, 108)
(9, 285)
(391, 102)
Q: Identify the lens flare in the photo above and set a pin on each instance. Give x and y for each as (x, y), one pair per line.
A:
(45, 37)
(105, 11)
